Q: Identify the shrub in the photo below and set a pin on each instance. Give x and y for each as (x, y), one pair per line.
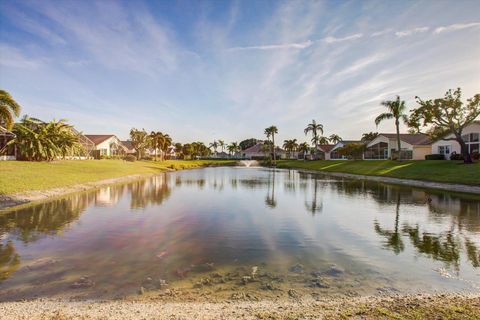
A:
(475, 155)
(456, 156)
(435, 156)
(130, 158)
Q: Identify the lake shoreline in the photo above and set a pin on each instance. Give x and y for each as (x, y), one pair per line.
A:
(453, 187)
(453, 306)
(20, 199)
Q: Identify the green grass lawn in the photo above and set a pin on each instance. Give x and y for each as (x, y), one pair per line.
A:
(438, 171)
(19, 176)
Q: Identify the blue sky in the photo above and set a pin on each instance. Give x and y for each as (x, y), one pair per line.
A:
(204, 70)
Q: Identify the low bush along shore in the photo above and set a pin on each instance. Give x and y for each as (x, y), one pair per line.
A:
(22, 176)
(434, 170)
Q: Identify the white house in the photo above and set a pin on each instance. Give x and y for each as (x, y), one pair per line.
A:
(257, 152)
(324, 151)
(471, 136)
(107, 144)
(413, 146)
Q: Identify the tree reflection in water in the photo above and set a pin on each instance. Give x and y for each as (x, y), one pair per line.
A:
(33, 223)
(270, 198)
(445, 246)
(9, 260)
(151, 191)
(394, 238)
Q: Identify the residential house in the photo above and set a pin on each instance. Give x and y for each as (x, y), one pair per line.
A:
(129, 149)
(106, 145)
(324, 151)
(471, 136)
(258, 152)
(413, 146)
(334, 155)
(7, 151)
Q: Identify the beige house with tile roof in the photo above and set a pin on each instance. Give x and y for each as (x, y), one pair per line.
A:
(413, 146)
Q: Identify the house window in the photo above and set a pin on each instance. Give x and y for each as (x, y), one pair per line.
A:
(474, 137)
(445, 150)
(103, 152)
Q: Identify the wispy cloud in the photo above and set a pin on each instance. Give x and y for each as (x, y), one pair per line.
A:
(381, 33)
(347, 38)
(457, 26)
(300, 45)
(406, 33)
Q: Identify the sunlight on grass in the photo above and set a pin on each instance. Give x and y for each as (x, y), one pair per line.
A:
(330, 166)
(394, 168)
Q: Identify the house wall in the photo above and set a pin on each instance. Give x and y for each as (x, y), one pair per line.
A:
(454, 145)
(419, 152)
(105, 146)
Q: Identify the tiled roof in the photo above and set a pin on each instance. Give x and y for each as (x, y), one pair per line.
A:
(326, 147)
(128, 144)
(258, 149)
(413, 139)
(98, 138)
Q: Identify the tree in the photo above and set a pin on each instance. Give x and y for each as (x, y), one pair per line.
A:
(37, 140)
(334, 138)
(9, 109)
(178, 150)
(266, 148)
(166, 143)
(156, 140)
(271, 132)
(221, 144)
(396, 110)
(140, 141)
(448, 114)
(214, 145)
(233, 148)
(352, 151)
(290, 146)
(187, 150)
(314, 128)
(245, 144)
(369, 136)
(303, 147)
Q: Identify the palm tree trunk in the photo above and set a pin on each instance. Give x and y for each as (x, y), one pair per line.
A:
(397, 124)
(274, 153)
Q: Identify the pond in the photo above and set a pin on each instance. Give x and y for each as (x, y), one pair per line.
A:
(230, 232)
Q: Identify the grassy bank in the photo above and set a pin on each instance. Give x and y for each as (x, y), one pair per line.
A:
(437, 171)
(20, 176)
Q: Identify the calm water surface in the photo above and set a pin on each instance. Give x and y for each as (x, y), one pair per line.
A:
(208, 229)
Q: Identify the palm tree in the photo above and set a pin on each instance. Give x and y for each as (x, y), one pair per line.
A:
(303, 147)
(233, 148)
(9, 108)
(156, 141)
(214, 145)
(271, 132)
(37, 140)
(315, 128)
(334, 138)
(166, 143)
(221, 144)
(290, 146)
(396, 110)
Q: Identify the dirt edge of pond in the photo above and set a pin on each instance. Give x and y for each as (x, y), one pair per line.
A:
(453, 187)
(420, 306)
(28, 197)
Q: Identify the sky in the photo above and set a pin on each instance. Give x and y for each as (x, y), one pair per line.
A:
(209, 70)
